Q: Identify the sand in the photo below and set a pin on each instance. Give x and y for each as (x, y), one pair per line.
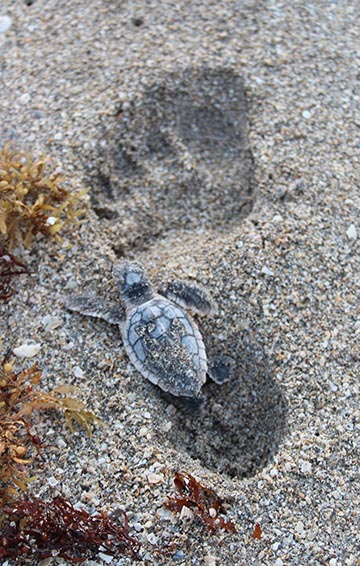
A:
(220, 143)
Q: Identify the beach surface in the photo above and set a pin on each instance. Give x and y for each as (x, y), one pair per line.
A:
(220, 144)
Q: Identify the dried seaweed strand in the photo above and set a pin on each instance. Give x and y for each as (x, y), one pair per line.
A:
(203, 502)
(10, 267)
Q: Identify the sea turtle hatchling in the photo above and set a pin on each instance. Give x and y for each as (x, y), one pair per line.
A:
(162, 341)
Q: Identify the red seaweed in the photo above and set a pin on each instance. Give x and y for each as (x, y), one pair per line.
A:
(41, 529)
(257, 533)
(201, 500)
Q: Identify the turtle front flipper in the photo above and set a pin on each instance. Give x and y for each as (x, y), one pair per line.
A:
(92, 306)
(221, 368)
(189, 297)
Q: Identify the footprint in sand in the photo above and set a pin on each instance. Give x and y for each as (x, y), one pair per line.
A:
(240, 426)
(177, 156)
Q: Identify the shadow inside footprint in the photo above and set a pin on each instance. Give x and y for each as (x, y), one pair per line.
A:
(177, 156)
(240, 425)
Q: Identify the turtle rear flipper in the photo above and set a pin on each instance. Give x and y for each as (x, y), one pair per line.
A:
(221, 369)
(189, 296)
(92, 306)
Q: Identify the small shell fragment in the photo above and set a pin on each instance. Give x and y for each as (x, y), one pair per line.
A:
(351, 232)
(78, 372)
(166, 515)
(210, 560)
(52, 481)
(153, 478)
(5, 23)
(186, 515)
(105, 557)
(51, 322)
(27, 350)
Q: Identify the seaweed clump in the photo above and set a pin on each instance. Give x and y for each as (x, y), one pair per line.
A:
(196, 500)
(30, 527)
(44, 529)
(20, 398)
(33, 198)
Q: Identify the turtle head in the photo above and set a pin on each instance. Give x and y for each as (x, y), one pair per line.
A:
(132, 282)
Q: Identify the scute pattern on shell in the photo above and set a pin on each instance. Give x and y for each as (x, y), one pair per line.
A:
(165, 345)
